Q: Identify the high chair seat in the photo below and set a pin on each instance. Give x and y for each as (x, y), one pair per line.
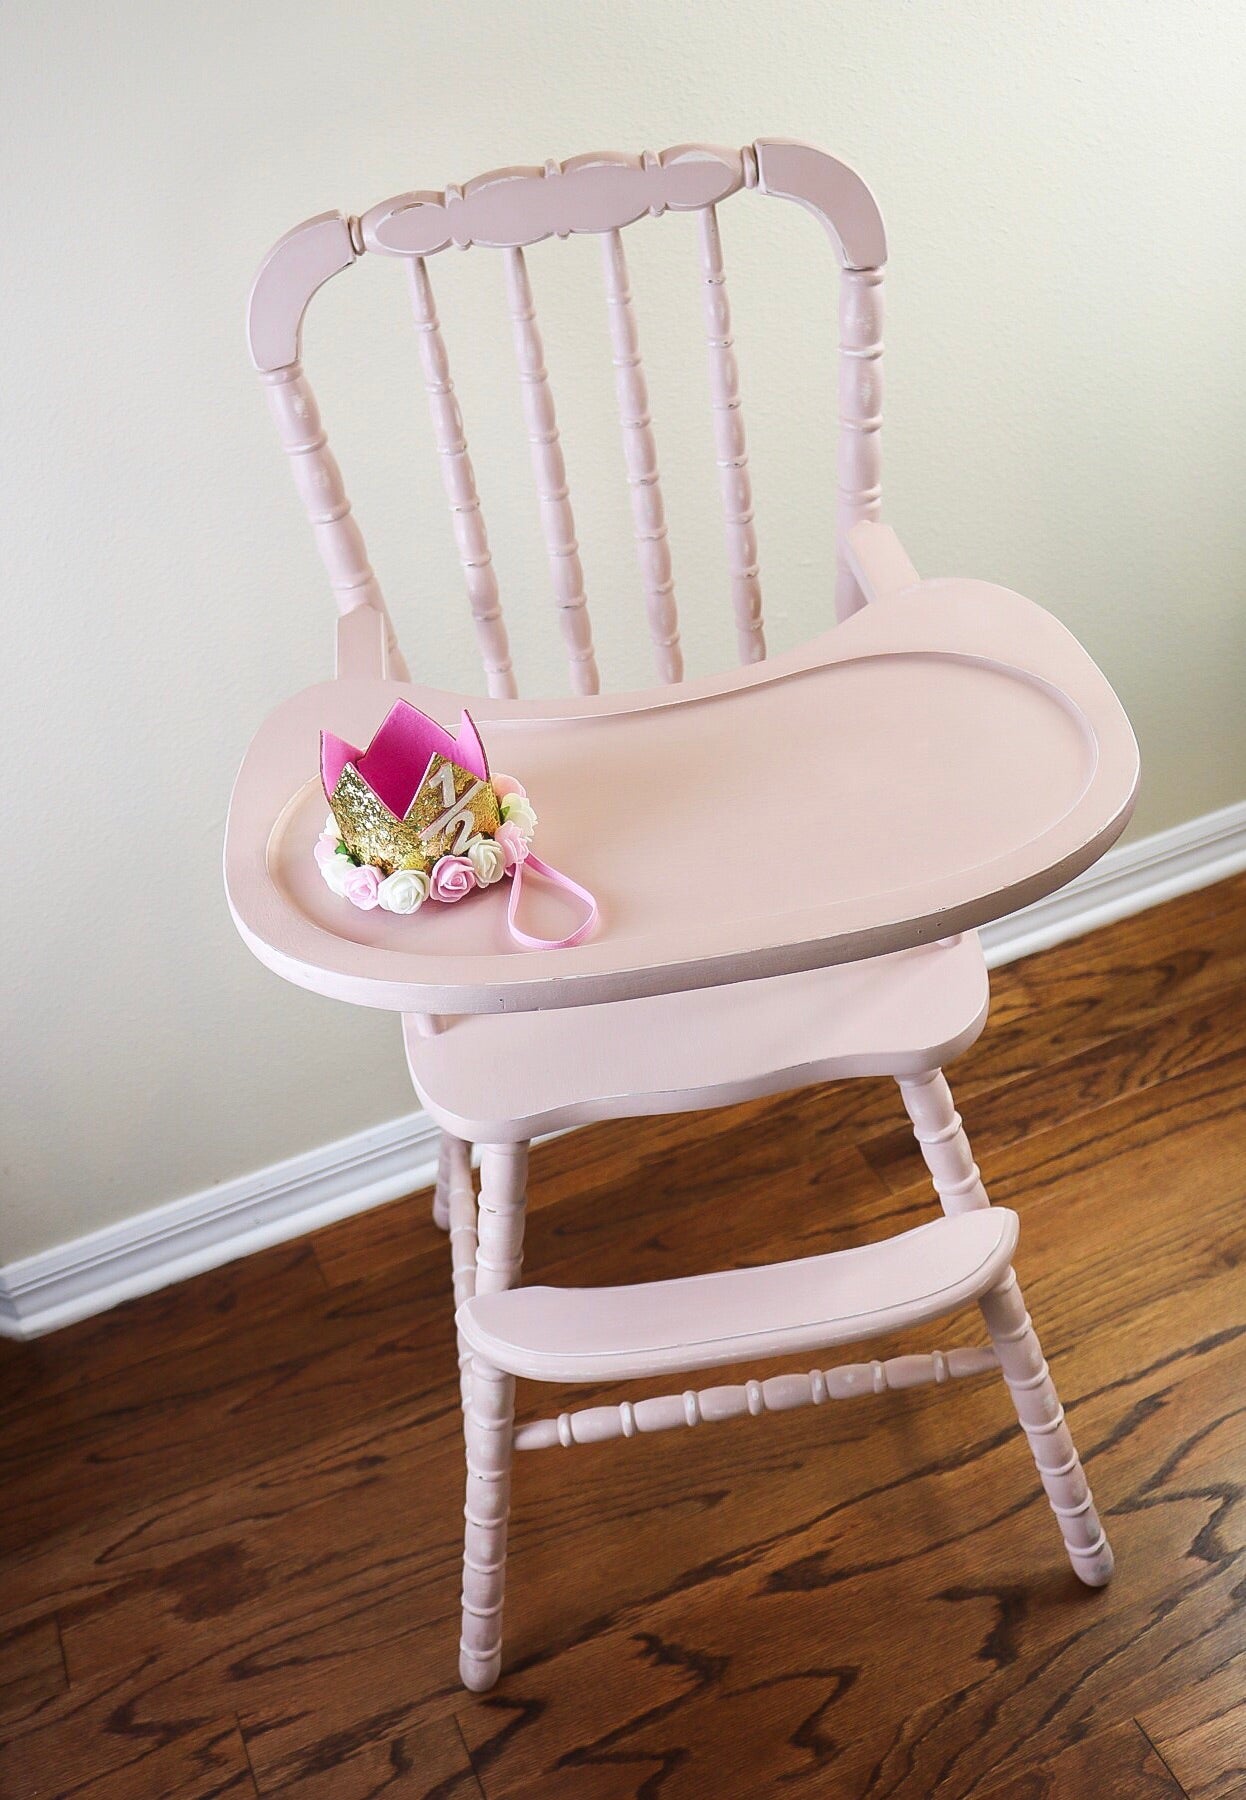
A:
(704, 1321)
(501, 1078)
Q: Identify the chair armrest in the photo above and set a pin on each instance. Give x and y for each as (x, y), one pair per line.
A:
(877, 559)
(362, 645)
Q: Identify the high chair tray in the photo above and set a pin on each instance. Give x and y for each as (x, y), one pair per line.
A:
(937, 760)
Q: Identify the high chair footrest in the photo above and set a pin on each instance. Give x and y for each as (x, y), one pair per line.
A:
(704, 1321)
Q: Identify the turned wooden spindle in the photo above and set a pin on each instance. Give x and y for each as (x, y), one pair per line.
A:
(958, 1183)
(641, 457)
(549, 467)
(489, 1420)
(780, 1393)
(461, 1223)
(488, 1433)
(940, 1135)
(459, 480)
(441, 1192)
(319, 482)
(730, 447)
(1042, 1420)
(860, 418)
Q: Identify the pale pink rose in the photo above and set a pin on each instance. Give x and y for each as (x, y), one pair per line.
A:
(453, 877)
(362, 887)
(325, 851)
(506, 784)
(514, 845)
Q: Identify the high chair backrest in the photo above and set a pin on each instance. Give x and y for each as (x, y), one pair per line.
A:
(508, 210)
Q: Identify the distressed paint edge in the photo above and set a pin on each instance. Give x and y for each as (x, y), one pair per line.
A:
(168, 1243)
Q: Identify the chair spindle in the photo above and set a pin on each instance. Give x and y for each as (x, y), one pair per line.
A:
(319, 482)
(780, 1393)
(557, 521)
(641, 456)
(459, 480)
(730, 448)
(860, 418)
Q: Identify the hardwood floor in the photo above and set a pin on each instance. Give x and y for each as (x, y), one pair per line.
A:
(229, 1536)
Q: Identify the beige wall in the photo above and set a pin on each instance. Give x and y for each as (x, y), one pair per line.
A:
(1064, 190)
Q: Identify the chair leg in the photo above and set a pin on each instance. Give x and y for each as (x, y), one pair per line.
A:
(941, 1136)
(489, 1424)
(446, 1148)
(489, 1429)
(462, 1208)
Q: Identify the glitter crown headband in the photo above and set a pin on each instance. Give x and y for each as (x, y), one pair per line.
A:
(417, 816)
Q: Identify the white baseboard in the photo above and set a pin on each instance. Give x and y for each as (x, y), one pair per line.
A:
(1128, 880)
(90, 1274)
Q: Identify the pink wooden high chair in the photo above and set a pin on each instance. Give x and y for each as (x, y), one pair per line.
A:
(944, 755)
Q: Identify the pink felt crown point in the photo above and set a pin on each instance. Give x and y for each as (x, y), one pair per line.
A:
(397, 760)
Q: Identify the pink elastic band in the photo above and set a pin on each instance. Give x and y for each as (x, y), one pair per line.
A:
(559, 880)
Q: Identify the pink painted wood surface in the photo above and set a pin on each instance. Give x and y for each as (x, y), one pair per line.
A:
(459, 480)
(641, 461)
(878, 560)
(731, 450)
(945, 756)
(831, 191)
(780, 1393)
(773, 1309)
(514, 207)
(441, 1192)
(1034, 777)
(297, 265)
(496, 1077)
(489, 1422)
(958, 1183)
(488, 1432)
(461, 1225)
(940, 1135)
(557, 520)
(1051, 1444)
(601, 192)
(858, 454)
(319, 483)
(362, 646)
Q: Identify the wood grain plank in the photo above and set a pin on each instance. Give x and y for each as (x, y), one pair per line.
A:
(32, 1668)
(1121, 1761)
(1212, 1300)
(1162, 1051)
(798, 1666)
(199, 1311)
(1201, 1733)
(277, 1381)
(614, 1503)
(426, 1761)
(194, 1760)
(248, 1508)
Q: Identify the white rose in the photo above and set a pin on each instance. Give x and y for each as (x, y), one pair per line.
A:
(488, 860)
(517, 809)
(332, 828)
(405, 891)
(337, 871)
